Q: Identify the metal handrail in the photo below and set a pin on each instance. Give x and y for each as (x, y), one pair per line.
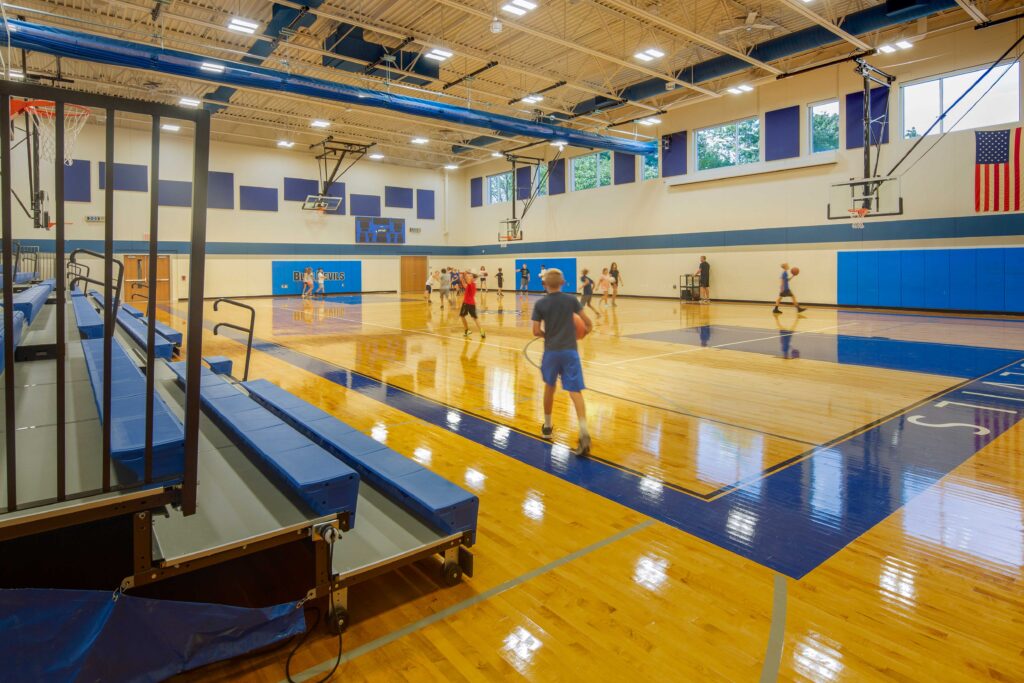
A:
(249, 330)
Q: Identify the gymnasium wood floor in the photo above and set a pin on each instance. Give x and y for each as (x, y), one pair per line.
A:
(769, 498)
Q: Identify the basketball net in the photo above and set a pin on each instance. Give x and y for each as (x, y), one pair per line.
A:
(44, 116)
(857, 217)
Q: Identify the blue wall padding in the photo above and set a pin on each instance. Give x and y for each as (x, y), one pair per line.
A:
(297, 189)
(79, 635)
(782, 133)
(673, 154)
(221, 190)
(76, 181)
(566, 265)
(425, 204)
(624, 168)
(398, 197)
(523, 185)
(128, 177)
(365, 205)
(174, 193)
(341, 276)
(977, 279)
(556, 177)
(855, 118)
(476, 192)
(257, 198)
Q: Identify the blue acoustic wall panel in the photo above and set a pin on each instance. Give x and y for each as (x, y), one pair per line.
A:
(936, 278)
(912, 279)
(867, 279)
(257, 198)
(220, 190)
(990, 279)
(398, 197)
(782, 133)
(365, 205)
(76, 181)
(624, 168)
(889, 279)
(846, 278)
(673, 154)
(476, 192)
(1014, 280)
(174, 193)
(556, 177)
(855, 118)
(523, 185)
(297, 189)
(963, 276)
(128, 177)
(425, 204)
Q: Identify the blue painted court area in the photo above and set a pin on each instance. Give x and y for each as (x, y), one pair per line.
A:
(951, 360)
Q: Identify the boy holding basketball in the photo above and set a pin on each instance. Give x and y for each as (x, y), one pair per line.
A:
(556, 311)
(784, 289)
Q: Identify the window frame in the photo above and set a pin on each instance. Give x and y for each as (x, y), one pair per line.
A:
(487, 188)
(597, 171)
(942, 104)
(760, 139)
(810, 126)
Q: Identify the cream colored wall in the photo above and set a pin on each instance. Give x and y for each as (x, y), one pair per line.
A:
(939, 186)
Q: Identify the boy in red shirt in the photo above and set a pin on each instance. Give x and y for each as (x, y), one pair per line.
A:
(469, 304)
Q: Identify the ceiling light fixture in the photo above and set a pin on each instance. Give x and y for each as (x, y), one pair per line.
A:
(287, 144)
(419, 141)
(496, 26)
(376, 155)
(886, 49)
(559, 143)
(497, 155)
(170, 127)
(243, 25)
(649, 121)
(904, 44)
(16, 74)
(451, 167)
(212, 68)
(319, 123)
(734, 91)
(532, 99)
(438, 55)
(654, 52)
(512, 9)
(643, 57)
(745, 88)
(525, 4)
(189, 102)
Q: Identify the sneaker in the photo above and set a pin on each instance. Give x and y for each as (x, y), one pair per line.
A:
(466, 333)
(483, 335)
(582, 450)
(800, 309)
(776, 311)
(546, 432)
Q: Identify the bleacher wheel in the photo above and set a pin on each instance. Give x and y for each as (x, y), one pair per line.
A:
(338, 623)
(452, 573)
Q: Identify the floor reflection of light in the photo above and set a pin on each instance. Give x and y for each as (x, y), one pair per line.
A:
(725, 458)
(650, 571)
(475, 479)
(651, 488)
(741, 525)
(817, 661)
(896, 582)
(521, 644)
(454, 419)
(422, 455)
(827, 488)
(501, 436)
(379, 432)
(560, 457)
(533, 506)
(502, 392)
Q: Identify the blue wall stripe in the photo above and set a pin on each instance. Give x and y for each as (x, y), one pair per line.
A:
(398, 197)
(425, 204)
(476, 192)
(127, 177)
(782, 133)
(174, 193)
(77, 181)
(624, 168)
(365, 204)
(257, 198)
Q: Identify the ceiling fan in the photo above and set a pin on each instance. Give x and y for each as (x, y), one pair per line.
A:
(750, 23)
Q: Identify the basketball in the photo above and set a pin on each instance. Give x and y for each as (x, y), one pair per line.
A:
(581, 327)
(794, 270)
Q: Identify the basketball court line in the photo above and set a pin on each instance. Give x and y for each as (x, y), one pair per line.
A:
(470, 602)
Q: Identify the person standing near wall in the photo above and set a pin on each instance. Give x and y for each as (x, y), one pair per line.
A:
(703, 275)
(307, 282)
(588, 292)
(432, 282)
(616, 282)
(604, 285)
(524, 278)
(444, 286)
(483, 278)
(321, 279)
(501, 283)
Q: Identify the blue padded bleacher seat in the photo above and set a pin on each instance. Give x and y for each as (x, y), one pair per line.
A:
(432, 498)
(128, 411)
(32, 300)
(90, 324)
(19, 326)
(132, 311)
(165, 331)
(221, 365)
(136, 329)
(324, 482)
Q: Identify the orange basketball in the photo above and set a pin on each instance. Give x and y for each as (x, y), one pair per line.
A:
(794, 270)
(581, 327)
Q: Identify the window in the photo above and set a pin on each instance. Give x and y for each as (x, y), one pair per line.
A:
(731, 144)
(592, 170)
(925, 101)
(499, 188)
(824, 126)
(541, 179)
(650, 168)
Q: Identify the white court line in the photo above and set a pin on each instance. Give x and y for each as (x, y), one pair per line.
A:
(720, 346)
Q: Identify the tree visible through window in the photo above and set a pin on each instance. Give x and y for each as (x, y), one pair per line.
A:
(499, 188)
(541, 178)
(731, 144)
(825, 126)
(592, 170)
(650, 167)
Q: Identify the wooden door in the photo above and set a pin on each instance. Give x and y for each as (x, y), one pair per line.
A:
(414, 273)
(136, 278)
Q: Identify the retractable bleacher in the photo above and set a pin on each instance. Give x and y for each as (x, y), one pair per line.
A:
(165, 331)
(135, 328)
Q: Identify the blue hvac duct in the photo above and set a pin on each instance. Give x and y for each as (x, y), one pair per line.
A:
(74, 45)
(858, 23)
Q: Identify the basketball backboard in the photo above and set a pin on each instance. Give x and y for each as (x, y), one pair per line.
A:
(322, 203)
(880, 196)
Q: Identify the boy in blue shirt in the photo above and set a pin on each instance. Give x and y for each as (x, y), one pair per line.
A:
(784, 290)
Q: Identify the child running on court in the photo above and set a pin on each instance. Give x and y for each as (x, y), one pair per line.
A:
(604, 285)
(561, 358)
(444, 286)
(588, 292)
(469, 304)
(784, 289)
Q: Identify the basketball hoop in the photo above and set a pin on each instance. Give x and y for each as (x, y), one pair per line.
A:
(857, 217)
(44, 117)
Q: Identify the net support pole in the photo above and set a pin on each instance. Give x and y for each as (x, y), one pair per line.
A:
(58, 265)
(108, 298)
(154, 218)
(8, 300)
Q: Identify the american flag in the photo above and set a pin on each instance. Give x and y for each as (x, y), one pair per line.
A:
(997, 170)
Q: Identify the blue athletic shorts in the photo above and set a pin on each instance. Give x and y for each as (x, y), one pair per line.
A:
(565, 364)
